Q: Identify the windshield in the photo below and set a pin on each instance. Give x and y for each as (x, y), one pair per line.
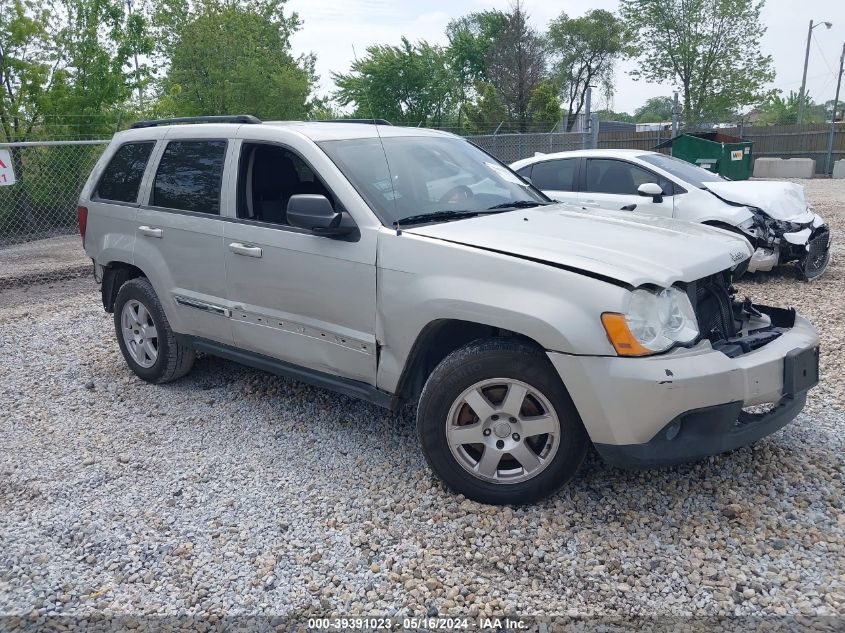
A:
(428, 176)
(681, 169)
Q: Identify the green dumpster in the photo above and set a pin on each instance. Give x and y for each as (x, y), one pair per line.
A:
(726, 155)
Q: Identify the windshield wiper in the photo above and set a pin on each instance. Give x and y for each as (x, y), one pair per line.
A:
(518, 204)
(441, 215)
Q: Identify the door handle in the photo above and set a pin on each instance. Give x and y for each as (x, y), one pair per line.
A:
(149, 231)
(242, 249)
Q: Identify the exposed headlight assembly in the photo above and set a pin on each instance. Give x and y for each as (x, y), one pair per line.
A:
(654, 322)
(753, 226)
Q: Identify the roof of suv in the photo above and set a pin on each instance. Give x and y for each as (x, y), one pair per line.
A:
(314, 130)
(330, 131)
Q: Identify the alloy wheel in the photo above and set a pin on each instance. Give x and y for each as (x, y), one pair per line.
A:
(139, 333)
(503, 430)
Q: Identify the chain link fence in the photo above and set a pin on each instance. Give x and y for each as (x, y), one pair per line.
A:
(512, 147)
(39, 237)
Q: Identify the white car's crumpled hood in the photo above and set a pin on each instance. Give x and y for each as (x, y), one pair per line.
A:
(633, 249)
(780, 200)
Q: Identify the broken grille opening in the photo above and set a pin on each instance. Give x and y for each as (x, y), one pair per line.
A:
(714, 308)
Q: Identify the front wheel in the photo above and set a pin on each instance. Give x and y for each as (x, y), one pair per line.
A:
(497, 425)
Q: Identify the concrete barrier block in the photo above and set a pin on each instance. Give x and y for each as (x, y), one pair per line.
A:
(839, 169)
(784, 168)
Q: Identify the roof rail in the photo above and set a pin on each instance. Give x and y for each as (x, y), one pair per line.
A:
(236, 118)
(369, 121)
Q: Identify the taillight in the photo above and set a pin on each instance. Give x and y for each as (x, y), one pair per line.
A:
(82, 219)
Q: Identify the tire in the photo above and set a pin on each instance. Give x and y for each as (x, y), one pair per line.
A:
(171, 359)
(493, 370)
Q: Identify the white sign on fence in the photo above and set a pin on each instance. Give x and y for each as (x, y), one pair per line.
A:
(7, 173)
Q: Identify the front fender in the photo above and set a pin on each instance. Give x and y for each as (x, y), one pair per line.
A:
(422, 280)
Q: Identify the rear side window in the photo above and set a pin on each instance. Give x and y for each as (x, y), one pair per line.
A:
(122, 176)
(189, 176)
(558, 175)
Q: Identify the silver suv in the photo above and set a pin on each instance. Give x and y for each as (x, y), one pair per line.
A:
(403, 265)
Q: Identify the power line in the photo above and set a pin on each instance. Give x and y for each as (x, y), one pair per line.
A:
(821, 52)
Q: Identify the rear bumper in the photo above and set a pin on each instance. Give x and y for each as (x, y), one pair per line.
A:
(631, 403)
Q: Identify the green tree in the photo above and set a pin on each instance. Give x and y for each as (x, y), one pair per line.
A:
(655, 110)
(583, 53)
(711, 48)
(408, 83)
(516, 64)
(233, 58)
(471, 39)
(780, 110)
(545, 103)
(97, 41)
(66, 60)
(323, 109)
(610, 115)
(487, 111)
(28, 56)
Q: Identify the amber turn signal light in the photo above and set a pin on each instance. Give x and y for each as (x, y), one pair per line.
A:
(620, 336)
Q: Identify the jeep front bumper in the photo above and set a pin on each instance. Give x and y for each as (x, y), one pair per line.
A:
(687, 404)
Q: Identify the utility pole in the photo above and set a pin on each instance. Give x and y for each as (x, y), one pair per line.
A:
(833, 114)
(137, 70)
(802, 92)
(588, 104)
(675, 114)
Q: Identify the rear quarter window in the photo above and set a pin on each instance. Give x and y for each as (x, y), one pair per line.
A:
(122, 176)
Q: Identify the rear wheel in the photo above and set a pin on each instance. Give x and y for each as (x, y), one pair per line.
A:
(497, 425)
(145, 337)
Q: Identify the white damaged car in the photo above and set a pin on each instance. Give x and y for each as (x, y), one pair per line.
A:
(774, 216)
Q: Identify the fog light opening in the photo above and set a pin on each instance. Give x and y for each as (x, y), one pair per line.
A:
(673, 430)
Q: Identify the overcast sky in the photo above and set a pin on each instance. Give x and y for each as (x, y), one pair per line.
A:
(332, 27)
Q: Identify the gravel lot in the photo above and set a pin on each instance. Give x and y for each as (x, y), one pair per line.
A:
(38, 261)
(235, 492)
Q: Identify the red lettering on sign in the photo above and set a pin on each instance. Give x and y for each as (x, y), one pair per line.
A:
(2, 165)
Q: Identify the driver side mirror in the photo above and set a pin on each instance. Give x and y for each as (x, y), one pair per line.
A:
(652, 190)
(314, 212)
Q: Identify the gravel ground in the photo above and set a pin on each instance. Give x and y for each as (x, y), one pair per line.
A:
(42, 260)
(235, 492)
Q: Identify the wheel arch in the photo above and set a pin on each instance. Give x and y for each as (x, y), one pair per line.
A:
(115, 274)
(436, 341)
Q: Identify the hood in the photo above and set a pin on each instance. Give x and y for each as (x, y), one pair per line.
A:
(632, 249)
(780, 200)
